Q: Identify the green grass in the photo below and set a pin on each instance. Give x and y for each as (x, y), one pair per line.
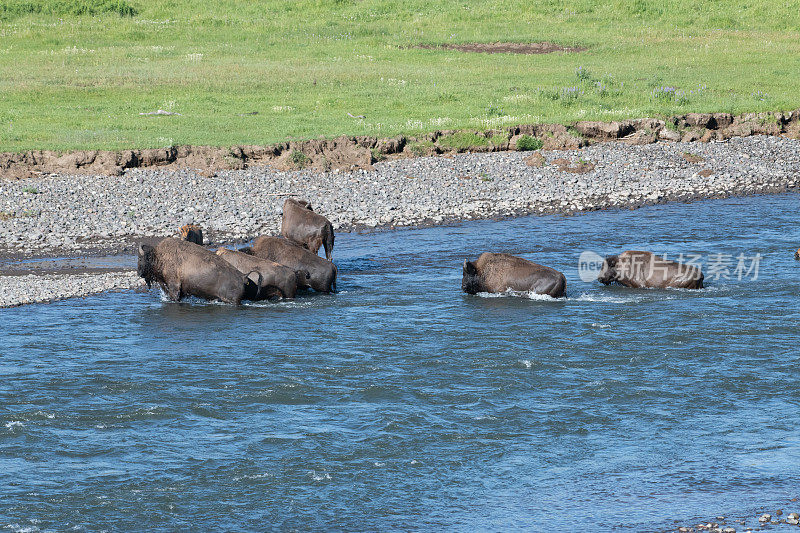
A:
(420, 148)
(462, 140)
(76, 74)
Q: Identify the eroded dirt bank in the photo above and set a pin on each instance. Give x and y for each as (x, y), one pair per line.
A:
(352, 153)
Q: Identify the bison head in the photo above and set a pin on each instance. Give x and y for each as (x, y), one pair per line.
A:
(797, 255)
(471, 281)
(146, 266)
(252, 285)
(608, 274)
(302, 278)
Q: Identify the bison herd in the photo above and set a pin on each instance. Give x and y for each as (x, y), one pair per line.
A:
(273, 267)
(278, 267)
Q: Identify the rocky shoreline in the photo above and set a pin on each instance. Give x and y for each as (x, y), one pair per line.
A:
(778, 520)
(68, 215)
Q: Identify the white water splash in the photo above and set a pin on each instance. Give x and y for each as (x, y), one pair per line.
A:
(509, 293)
(319, 477)
(605, 298)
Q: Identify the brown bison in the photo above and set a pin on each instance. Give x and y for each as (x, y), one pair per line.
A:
(303, 226)
(647, 270)
(797, 255)
(192, 233)
(182, 268)
(500, 272)
(322, 273)
(277, 280)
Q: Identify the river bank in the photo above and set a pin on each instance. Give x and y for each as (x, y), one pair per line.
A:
(69, 216)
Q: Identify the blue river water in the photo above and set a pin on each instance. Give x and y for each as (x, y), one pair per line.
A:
(401, 403)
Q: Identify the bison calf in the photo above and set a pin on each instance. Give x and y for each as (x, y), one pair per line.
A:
(182, 268)
(192, 233)
(500, 272)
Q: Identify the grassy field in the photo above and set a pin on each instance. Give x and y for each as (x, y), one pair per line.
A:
(77, 74)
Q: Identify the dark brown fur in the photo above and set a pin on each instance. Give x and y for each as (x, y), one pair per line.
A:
(646, 270)
(277, 280)
(192, 233)
(322, 273)
(182, 268)
(303, 226)
(499, 272)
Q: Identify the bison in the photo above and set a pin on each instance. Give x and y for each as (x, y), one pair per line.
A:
(277, 280)
(301, 225)
(182, 268)
(322, 273)
(646, 270)
(192, 233)
(499, 272)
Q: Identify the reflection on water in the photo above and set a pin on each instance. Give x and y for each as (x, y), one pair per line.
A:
(402, 403)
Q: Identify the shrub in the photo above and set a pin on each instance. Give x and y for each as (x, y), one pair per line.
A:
(377, 156)
(526, 143)
(10, 9)
(299, 159)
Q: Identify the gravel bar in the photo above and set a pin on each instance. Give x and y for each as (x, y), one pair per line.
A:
(61, 215)
(36, 288)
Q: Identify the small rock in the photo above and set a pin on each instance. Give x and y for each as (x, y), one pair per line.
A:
(765, 518)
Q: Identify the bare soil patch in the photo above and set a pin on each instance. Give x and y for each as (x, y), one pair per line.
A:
(504, 48)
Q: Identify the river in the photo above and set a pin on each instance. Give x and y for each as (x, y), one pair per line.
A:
(401, 403)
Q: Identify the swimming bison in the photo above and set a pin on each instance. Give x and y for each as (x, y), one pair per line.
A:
(183, 268)
(500, 272)
(303, 226)
(277, 280)
(647, 270)
(322, 273)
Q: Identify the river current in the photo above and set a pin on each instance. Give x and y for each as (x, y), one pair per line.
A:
(401, 403)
